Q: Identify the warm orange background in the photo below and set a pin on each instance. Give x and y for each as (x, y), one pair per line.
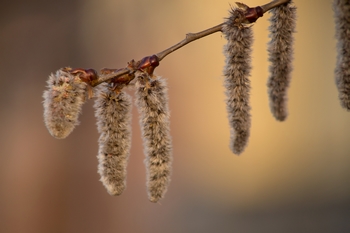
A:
(293, 176)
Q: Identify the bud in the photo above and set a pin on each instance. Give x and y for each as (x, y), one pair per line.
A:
(342, 32)
(152, 103)
(113, 113)
(280, 50)
(236, 71)
(63, 101)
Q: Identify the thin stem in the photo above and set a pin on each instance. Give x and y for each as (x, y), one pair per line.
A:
(105, 77)
(273, 4)
(189, 38)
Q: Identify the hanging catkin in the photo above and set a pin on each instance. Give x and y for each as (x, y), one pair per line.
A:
(342, 32)
(152, 103)
(113, 113)
(237, 70)
(63, 101)
(280, 50)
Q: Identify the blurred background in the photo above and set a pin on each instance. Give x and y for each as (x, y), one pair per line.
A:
(294, 176)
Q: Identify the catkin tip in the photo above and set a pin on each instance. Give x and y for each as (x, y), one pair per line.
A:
(113, 188)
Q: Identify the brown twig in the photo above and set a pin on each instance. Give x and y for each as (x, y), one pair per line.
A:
(105, 77)
(252, 14)
(273, 4)
(189, 38)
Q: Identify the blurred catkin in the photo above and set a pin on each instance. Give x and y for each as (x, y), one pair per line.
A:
(152, 104)
(63, 101)
(280, 50)
(342, 32)
(113, 113)
(237, 70)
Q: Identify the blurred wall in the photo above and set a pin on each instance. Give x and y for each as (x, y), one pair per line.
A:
(293, 176)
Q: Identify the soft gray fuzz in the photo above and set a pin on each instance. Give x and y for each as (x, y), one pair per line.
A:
(280, 50)
(342, 70)
(152, 103)
(113, 113)
(236, 71)
(63, 101)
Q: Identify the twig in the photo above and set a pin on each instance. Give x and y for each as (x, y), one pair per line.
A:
(105, 77)
(273, 4)
(189, 38)
(118, 76)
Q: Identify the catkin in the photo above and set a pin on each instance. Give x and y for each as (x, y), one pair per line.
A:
(63, 102)
(113, 113)
(280, 49)
(237, 70)
(152, 103)
(342, 71)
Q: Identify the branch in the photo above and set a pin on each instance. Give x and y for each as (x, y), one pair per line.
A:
(124, 75)
(189, 38)
(105, 77)
(273, 4)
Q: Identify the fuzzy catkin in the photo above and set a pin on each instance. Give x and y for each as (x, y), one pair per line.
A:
(342, 71)
(113, 113)
(63, 102)
(280, 50)
(237, 85)
(152, 103)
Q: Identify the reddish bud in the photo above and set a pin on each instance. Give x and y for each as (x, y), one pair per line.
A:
(252, 14)
(148, 64)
